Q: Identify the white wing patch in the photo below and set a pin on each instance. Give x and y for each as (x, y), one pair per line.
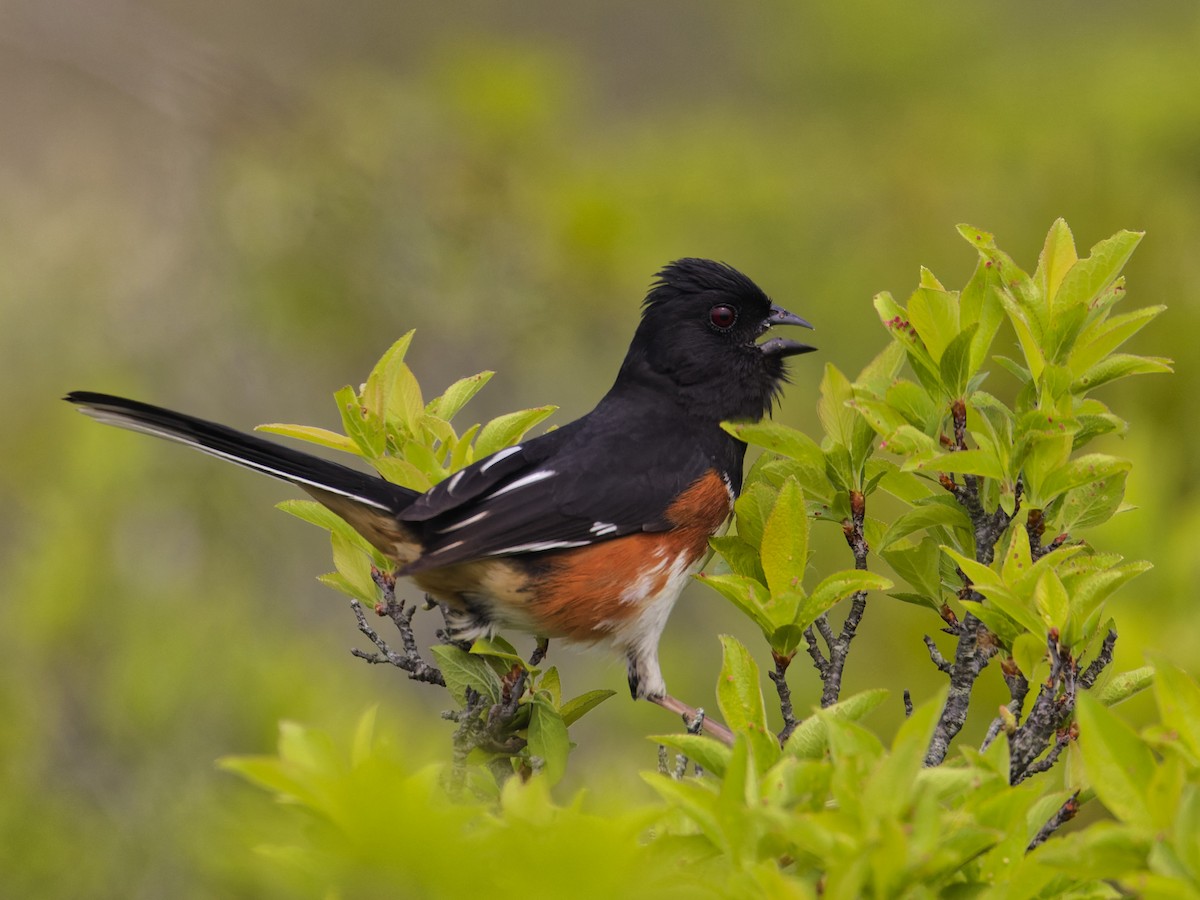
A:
(498, 456)
(602, 528)
(538, 547)
(478, 517)
(524, 481)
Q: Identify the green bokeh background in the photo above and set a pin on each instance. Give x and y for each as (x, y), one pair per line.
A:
(234, 208)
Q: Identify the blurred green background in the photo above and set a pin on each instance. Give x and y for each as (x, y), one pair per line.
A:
(233, 208)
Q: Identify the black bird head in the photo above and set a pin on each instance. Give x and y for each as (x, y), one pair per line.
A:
(699, 337)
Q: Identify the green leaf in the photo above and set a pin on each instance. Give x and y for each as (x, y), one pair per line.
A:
(1088, 277)
(577, 707)
(1119, 365)
(1093, 504)
(456, 396)
(462, 670)
(934, 314)
(505, 431)
(362, 426)
(1050, 598)
(1086, 469)
(914, 403)
(955, 365)
(1119, 765)
(879, 373)
(919, 566)
(1106, 335)
(931, 514)
(835, 588)
(1029, 653)
(836, 418)
(751, 510)
(320, 436)
(547, 737)
(740, 697)
(712, 755)
(746, 594)
(315, 514)
(740, 556)
(1056, 259)
(392, 392)
(1178, 697)
(497, 648)
(777, 438)
(1123, 686)
(354, 564)
(784, 548)
(811, 736)
(966, 462)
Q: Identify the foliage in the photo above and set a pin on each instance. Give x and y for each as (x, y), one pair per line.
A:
(826, 807)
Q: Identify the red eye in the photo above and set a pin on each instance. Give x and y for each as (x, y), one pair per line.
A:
(722, 316)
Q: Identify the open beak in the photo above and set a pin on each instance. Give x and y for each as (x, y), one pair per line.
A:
(782, 346)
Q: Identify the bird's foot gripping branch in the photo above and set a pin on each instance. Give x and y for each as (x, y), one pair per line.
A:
(978, 503)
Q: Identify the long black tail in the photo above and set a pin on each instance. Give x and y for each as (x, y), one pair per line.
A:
(299, 468)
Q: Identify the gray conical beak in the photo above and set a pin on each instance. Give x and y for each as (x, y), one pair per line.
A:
(782, 346)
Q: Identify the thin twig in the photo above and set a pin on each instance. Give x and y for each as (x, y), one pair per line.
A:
(1065, 814)
(779, 677)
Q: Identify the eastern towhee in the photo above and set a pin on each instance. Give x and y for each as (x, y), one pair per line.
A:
(588, 532)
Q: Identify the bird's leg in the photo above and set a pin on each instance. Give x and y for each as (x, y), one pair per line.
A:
(691, 715)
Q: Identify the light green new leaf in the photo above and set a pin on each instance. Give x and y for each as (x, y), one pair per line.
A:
(1119, 765)
(316, 514)
(966, 462)
(506, 430)
(784, 548)
(882, 418)
(1124, 685)
(979, 574)
(835, 588)
(934, 314)
(836, 418)
(879, 373)
(919, 566)
(1119, 365)
(1018, 557)
(1088, 277)
(354, 564)
(913, 403)
(548, 740)
(363, 426)
(1092, 504)
(748, 595)
(1178, 697)
(456, 396)
(1056, 259)
(577, 707)
(956, 363)
(895, 320)
(811, 736)
(1086, 469)
(402, 472)
(321, 436)
(777, 438)
(712, 755)
(1104, 336)
(740, 698)
(1029, 653)
(931, 514)
(740, 556)
(1050, 598)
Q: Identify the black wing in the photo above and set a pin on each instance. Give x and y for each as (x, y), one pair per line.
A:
(570, 488)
